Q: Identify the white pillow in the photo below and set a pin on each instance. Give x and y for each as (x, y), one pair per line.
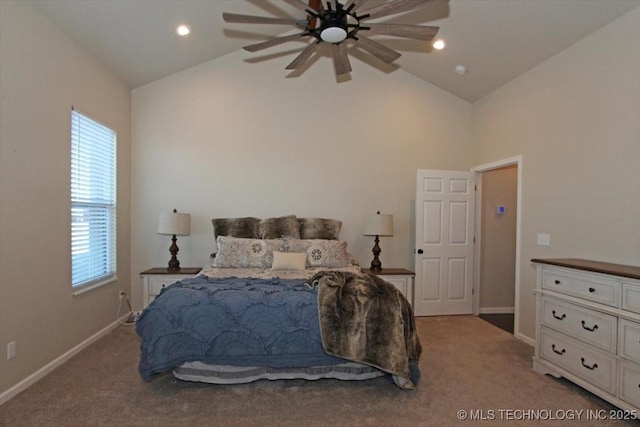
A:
(289, 261)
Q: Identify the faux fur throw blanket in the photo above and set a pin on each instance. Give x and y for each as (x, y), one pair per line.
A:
(367, 320)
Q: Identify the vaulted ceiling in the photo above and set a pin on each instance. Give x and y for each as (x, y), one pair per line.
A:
(496, 40)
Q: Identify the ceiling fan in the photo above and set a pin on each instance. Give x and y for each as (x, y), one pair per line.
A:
(335, 22)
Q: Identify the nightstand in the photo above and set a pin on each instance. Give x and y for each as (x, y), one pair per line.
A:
(154, 279)
(398, 277)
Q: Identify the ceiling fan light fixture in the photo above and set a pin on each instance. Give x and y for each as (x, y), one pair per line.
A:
(333, 35)
(333, 27)
(439, 44)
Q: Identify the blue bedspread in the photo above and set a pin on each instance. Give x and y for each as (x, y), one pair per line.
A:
(232, 321)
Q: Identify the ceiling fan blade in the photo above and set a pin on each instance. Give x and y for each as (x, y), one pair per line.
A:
(248, 19)
(304, 55)
(341, 59)
(298, 4)
(381, 52)
(419, 32)
(356, 4)
(273, 42)
(393, 7)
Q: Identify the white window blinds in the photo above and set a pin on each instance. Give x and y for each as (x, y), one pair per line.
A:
(93, 201)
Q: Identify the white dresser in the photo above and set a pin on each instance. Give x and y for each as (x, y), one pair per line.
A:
(588, 327)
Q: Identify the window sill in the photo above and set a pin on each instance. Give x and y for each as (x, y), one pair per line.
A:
(86, 288)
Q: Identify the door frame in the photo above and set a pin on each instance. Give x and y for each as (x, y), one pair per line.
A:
(479, 170)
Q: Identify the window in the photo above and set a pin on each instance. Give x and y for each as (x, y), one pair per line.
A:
(93, 201)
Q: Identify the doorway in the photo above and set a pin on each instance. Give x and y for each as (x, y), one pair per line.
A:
(497, 233)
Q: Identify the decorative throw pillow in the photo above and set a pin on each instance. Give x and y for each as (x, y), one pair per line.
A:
(236, 227)
(246, 253)
(289, 261)
(319, 228)
(284, 226)
(320, 252)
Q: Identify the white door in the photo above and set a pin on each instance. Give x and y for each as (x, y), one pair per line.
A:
(444, 242)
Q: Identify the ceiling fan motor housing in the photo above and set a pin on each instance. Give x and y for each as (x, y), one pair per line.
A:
(333, 27)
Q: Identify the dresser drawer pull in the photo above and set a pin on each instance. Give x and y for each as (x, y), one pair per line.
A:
(561, 352)
(558, 317)
(591, 368)
(592, 290)
(557, 282)
(584, 326)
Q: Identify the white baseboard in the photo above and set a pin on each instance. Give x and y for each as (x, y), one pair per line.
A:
(525, 339)
(497, 310)
(42, 372)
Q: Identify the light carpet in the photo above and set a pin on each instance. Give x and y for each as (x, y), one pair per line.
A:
(467, 365)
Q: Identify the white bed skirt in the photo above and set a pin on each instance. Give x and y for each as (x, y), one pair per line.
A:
(225, 374)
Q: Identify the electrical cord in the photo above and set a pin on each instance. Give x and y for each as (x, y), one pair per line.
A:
(131, 320)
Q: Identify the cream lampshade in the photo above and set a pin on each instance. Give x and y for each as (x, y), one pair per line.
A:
(174, 224)
(378, 225)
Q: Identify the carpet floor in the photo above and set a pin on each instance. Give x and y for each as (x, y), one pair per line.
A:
(467, 365)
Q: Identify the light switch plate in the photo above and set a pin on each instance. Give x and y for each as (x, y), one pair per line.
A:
(544, 239)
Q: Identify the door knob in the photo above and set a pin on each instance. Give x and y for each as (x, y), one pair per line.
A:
(420, 251)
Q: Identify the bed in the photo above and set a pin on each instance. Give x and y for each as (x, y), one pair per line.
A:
(283, 299)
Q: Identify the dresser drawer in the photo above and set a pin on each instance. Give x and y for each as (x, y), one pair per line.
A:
(631, 297)
(157, 278)
(588, 363)
(588, 287)
(403, 284)
(629, 383)
(592, 327)
(156, 284)
(629, 340)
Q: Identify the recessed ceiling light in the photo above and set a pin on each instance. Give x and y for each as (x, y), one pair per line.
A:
(183, 30)
(439, 44)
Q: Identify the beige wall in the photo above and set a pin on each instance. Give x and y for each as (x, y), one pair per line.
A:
(230, 138)
(498, 239)
(575, 119)
(42, 74)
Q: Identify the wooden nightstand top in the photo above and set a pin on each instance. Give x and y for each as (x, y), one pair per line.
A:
(186, 271)
(390, 272)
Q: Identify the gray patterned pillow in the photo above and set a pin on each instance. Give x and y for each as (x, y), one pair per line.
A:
(246, 253)
(320, 252)
(284, 226)
(236, 227)
(319, 228)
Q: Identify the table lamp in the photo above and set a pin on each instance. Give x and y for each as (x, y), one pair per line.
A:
(378, 225)
(174, 224)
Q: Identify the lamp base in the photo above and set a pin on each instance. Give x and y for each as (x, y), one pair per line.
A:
(376, 264)
(174, 264)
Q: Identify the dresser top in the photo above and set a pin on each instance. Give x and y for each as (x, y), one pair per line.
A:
(390, 272)
(595, 266)
(184, 271)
